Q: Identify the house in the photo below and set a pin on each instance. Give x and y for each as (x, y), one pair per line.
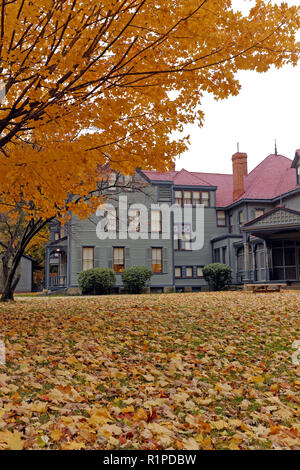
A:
(25, 283)
(25, 270)
(251, 222)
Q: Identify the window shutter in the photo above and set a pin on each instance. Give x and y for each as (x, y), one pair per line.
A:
(110, 258)
(97, 257)
(149, 258)
(194, 271)
(165, 260)
(127, 258)
(165, 193)
(183, 271)
(78, 258)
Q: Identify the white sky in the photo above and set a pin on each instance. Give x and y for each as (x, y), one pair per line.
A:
(267, 107)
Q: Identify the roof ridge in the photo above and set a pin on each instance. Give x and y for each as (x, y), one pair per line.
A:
(201, 180)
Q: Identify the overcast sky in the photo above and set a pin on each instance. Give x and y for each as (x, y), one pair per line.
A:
(267, 107)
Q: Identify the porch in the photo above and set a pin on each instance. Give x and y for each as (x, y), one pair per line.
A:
(56, 267)
(271, 248)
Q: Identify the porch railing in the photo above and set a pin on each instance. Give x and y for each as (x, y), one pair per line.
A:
(58, 281)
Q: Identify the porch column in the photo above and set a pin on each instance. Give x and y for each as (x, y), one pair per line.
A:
(267, 261)
(47, 268)
(247, 262)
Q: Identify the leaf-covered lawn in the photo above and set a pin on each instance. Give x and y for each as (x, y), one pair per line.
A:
(180, 371)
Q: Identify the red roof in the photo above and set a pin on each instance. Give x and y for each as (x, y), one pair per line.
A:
(271, 178)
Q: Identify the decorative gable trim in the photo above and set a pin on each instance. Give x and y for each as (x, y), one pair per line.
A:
(280, 216)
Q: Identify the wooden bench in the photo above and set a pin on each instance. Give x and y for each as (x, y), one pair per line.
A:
(264, 287)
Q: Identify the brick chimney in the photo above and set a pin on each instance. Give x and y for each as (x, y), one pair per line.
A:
(239, 169)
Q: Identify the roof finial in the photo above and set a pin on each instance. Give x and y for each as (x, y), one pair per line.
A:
(276, 152)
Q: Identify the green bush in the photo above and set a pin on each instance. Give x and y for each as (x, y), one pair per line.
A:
(218, 276)
(135, 278)
(97, 281)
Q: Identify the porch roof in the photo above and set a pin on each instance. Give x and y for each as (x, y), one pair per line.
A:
(277, 221)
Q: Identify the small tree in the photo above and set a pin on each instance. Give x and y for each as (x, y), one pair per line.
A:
(135, 278)
(218, 276)
(97, 281)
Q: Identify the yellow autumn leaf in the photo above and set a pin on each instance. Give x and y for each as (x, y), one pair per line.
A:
(99, 416)
(73, 445)
(56, 435)
(257, 379)
(140, 415)
(221, 424)
(13, 440)
(128, 409)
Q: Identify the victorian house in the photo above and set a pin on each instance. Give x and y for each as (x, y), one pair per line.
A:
(251, 222)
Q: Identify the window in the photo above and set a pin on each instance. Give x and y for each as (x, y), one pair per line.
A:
(178, 198)
(298, 174)
(217, 258)
(87, 258)
(119, 263)
(259, 212)
(182, 237)
(127, 181)
(205, 198)
(156, 221)
(196, 198)
(178, 272)
(56, 236)
(156, 260)
(199, 271)
(259, 257)
(63, 231)
(231, 227)
(187, 198)
(221, 218)
(240, 264)
(111, 216)
(176, 237)
(224, 254)
(186, 237)
(134, 220)
(111, 182)
(189, 271)
(241, 217)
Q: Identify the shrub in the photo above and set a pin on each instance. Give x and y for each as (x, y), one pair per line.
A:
(135, 278)
(218, 276)
(97, 281)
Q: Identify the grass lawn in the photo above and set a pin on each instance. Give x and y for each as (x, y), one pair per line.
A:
(178, 371)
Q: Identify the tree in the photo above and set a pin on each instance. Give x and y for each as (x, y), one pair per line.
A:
(88, 83)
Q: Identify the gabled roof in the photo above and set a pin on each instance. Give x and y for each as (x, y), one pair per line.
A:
(178, 178)
(271, 178)
(280, 215)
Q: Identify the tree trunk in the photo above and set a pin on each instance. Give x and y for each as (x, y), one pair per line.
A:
(7, 295)
(12, 257)
(10, 278)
